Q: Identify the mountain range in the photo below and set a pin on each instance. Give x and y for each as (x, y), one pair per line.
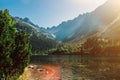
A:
(104, 22)
(88, 24)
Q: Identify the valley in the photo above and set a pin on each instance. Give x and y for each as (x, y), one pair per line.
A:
(86, 47)
(70, 37)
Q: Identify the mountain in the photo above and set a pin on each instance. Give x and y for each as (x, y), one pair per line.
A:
(87, 24)
(39, 39)
(27, 21)
(67, 29)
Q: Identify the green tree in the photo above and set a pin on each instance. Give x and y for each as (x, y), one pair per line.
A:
(14, 47)
(93, 45)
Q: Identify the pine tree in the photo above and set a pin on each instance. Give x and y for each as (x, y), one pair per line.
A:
(14, 47)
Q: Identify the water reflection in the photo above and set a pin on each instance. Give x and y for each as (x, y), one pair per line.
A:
(78, 67)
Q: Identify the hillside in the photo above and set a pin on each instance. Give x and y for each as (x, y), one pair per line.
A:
(38, 38)
(113, 30)
(97, 34)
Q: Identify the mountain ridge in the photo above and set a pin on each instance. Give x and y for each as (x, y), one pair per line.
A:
(87, 24)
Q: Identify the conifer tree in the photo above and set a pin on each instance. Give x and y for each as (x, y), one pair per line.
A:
(14, 47)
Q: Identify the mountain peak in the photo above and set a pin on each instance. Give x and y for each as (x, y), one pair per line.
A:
(26, 19)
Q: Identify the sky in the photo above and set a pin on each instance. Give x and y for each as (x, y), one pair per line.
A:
(48, 13)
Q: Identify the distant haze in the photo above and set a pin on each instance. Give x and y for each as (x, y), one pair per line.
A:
(48, 13)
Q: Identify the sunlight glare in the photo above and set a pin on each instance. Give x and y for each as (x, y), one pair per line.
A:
(78, 2)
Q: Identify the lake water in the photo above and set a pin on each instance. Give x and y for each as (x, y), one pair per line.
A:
(71, 67)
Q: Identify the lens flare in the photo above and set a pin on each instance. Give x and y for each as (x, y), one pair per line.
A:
(44, 72)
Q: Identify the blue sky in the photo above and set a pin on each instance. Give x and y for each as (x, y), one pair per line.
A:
(47, 13)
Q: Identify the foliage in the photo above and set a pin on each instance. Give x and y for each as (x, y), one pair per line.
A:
(93, 46)
(14, 47)
(40, 43)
